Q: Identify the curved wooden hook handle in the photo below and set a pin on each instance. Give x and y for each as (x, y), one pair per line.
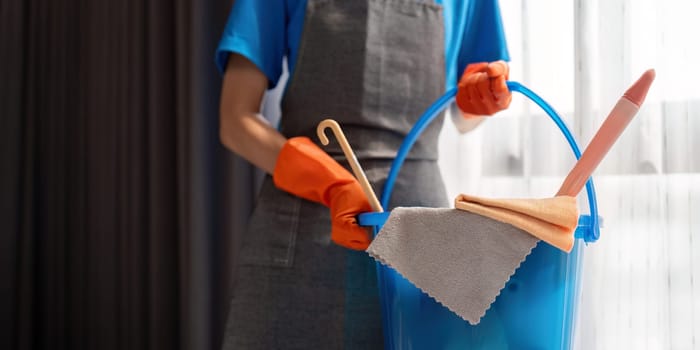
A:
(350, 155)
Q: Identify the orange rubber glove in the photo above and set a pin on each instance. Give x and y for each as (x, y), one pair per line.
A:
(482, 90)
(305, 170)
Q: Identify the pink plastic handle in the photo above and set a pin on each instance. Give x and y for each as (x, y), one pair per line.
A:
(613, 126)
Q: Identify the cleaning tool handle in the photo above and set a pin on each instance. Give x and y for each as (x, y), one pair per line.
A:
(350, 156)
(438, 106)
(613, 126)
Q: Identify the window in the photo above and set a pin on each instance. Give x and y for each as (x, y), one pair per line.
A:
(640, 281)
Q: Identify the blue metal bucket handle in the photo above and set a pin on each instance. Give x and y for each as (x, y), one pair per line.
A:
(588, 225)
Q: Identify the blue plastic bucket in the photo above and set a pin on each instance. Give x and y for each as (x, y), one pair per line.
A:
(535, 310)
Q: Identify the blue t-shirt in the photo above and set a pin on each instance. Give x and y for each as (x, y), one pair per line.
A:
(266, 33)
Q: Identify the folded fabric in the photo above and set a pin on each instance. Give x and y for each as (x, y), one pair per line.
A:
(460, 259)
(552, 220)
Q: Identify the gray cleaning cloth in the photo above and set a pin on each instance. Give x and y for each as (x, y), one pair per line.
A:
(461, 259)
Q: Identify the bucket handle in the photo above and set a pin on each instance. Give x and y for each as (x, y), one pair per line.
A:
(589, 228)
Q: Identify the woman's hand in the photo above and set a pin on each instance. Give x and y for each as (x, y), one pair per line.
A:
(305, 170)
(482, 90)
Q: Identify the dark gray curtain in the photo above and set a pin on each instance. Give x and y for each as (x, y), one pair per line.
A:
(119, 206)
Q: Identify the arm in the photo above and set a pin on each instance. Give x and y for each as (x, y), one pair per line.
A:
(242, 129)
(483, 56)
(297, 165)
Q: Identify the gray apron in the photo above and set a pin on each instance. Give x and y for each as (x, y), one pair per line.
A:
(375, 66)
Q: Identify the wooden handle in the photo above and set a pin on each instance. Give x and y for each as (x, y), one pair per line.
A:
(350, 155)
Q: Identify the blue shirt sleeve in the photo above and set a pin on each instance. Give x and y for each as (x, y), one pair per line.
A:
(256, 30)
(484, 39)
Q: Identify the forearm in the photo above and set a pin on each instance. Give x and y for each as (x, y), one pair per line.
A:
(242, 129)
(465, 122)
(251, 137)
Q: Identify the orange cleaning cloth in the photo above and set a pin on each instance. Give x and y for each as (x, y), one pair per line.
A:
(552, 220)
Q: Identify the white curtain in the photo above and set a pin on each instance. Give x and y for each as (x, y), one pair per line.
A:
(580, 55)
